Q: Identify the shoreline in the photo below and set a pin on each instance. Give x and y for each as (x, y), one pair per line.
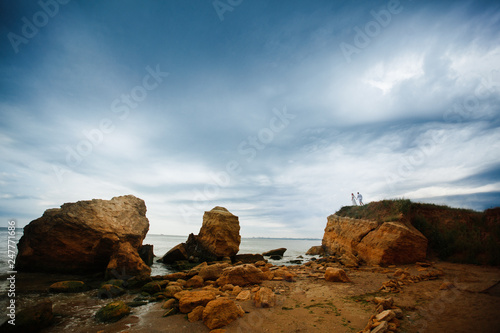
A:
(307, 303)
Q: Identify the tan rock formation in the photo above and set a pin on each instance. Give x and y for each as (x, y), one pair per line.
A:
(220, 232)
(221, 312)
(219, 238)
(82, 237)
(374, 242)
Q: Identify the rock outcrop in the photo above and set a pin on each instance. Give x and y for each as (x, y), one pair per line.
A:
(219, 237)
(86, 237)
(381, 243)
(220, 232)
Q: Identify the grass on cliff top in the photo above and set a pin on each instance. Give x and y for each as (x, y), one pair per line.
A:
(454, 234)
(382, 211)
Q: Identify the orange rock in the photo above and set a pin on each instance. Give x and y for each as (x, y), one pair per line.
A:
(170, 291)
(336, 275)
(196, 314)
(446, 285)
(241, 275)
(374, 242)
(220, 232)
(126, 259)
(168, 304)
(284, 274)
(236, 290)
(212, 272)
(244, 295)
(193, 299)
(227, 287)
(221, 312)
(264, 298)
(194, 282)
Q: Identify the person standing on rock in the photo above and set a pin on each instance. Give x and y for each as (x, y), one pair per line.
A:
(353, 198)
(360, 199)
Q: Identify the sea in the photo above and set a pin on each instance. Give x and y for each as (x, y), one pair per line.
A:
(296, 249)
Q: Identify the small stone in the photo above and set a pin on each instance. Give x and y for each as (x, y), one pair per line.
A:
(196, 314)
(194, 282)
(236, 290)
(386, 315)
(170, 312)
(381, 328)
(398, 312)
(244, 295)
(446, 286)
(168, 304)
(336, 275)
(68, 287)
(264, 298)
(227, 287)
(112, 312)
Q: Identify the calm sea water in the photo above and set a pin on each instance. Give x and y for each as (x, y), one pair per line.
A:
(163, 243)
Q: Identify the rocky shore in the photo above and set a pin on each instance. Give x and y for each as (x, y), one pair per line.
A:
(369, 276)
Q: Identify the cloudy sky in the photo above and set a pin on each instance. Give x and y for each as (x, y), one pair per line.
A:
(276, 110)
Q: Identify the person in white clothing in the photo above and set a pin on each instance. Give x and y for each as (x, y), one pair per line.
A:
(353, 198)
(360, 199)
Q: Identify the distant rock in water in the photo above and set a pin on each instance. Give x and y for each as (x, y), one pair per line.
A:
(86, 237)
(383, 243)
(219, 237)
(275, 252)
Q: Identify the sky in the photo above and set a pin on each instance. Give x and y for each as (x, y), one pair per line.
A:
(276, 110)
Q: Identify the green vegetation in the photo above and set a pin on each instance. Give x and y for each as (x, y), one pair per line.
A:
(458, 235)
(323, 305)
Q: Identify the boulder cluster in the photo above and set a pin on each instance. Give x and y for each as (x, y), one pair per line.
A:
(373, 242)
(219, 238)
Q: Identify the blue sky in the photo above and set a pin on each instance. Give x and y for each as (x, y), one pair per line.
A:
(276, 111)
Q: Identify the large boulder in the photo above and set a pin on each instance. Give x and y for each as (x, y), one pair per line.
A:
(381, 243)
(86, 237)
(219, 237)
(220, 232)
